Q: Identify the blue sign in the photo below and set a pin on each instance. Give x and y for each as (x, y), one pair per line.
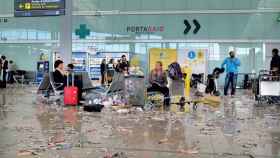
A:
(192, 55)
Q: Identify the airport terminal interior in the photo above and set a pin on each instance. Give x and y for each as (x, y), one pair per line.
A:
(140, 79)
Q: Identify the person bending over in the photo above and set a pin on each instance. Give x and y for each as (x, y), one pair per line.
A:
(158, 81)
(212, 87)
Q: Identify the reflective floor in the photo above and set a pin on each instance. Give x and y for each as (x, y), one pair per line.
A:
(238, 129)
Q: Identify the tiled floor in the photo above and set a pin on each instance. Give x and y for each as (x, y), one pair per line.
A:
(238, 129)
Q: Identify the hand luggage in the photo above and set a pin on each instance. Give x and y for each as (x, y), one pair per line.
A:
(70, 93)
(93, 108)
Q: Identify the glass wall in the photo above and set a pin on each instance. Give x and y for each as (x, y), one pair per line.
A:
(240, 25)
(26, 56)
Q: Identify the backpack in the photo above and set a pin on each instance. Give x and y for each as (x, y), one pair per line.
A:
(174, 71)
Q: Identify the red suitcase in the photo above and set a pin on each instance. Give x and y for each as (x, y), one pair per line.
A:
(70, 93)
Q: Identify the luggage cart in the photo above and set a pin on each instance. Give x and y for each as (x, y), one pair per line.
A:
(267, 89)
(134, 90)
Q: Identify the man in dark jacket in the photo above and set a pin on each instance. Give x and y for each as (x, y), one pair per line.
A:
(103, 70)
(59, 75)
(4, 68)
(275, 62)
(124, 65)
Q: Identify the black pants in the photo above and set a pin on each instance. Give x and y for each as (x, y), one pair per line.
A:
(103, 78)
(163, 90)
(11, 77)
(4, 79)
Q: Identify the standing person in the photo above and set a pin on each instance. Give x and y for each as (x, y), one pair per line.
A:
(124, 65)
(275, 62)
(1, 64)
(110, 71)
(158, 81)
(117, 67)
(103, 70)
(4, 70)
(11, 72)
(231, 65)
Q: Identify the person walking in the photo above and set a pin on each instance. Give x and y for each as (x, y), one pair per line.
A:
(231, 64)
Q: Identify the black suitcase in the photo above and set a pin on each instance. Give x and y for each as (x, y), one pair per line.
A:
(93, 108)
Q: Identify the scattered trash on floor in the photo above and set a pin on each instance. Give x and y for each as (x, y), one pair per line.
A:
(163, 141)
(116, 155)
(26, 153)
(189, 151)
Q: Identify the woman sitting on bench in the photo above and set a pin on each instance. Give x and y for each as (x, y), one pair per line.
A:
(158, 81)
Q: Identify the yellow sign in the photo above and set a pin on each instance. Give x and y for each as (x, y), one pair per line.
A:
(200, 55)
(166, 56)
(28, 6)
(135, 61)
(21, 6)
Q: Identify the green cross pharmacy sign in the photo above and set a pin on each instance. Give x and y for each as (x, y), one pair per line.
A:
(83, 31)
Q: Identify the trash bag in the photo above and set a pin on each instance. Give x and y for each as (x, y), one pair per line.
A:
(93, 108)
(213, 101)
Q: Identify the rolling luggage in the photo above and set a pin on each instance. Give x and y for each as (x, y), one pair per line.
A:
(71, 93)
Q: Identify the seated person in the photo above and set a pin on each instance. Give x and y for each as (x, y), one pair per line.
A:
(211, 87)
(60, 76)
(70, 68)
(158, 80)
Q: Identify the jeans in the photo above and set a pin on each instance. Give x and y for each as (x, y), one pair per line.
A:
(162, 90)
(11, 77)
(231, 79)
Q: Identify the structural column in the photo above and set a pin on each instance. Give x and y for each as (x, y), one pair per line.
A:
(65, 40)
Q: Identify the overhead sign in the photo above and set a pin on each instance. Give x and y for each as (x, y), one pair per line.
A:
(144, 29)
(31, 8)
(194, 59)
(4, 20)
(83, 31)
(165, 55)
(189, 26)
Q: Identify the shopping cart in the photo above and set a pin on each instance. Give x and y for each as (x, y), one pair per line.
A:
(267, 88)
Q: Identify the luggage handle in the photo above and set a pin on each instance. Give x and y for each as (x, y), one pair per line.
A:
(73, 78)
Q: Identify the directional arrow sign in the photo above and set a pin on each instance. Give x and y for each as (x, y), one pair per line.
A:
(197, 25)
(188, 26)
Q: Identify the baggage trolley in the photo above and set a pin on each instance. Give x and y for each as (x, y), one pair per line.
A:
(267, 88)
